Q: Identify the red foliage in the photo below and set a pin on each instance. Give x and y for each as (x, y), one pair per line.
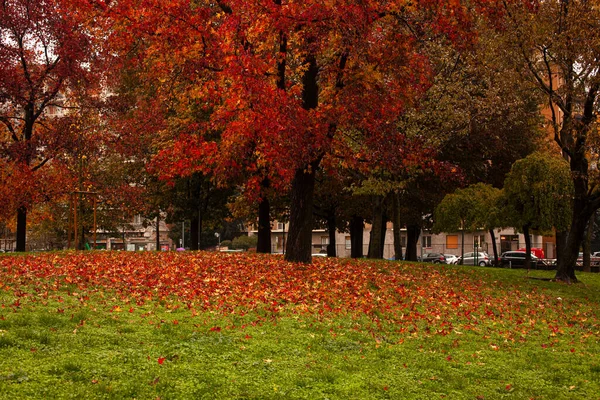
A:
(413, 298)
(231, 75)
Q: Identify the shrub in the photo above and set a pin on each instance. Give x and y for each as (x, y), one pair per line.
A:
(243, 242)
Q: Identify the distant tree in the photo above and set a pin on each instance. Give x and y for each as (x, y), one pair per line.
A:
(470, 209)
(554, 44)
(538, 195)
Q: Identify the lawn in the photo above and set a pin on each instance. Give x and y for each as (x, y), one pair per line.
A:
(208, 325)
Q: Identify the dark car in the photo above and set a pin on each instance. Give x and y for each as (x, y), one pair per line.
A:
(435, 258)
(516, 259)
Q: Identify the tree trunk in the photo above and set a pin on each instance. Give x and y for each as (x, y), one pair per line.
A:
(412, 237)
(565, 270)
(494, 246)
(587, 245)
(21, 229)
(376, 237)
(331, 229)
(299, 241)
(527, 247)
(194, 232)
(357, 225)
(397, 227)
(158, 231)
(264, 226)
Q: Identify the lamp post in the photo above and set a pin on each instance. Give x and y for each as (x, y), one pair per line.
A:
(183, 234)
(218, 236)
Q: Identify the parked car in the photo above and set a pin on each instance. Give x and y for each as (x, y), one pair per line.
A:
(321, 253)
(435, 258)
(475, 258)
(451, 258)
(516, 259)
(594, 259)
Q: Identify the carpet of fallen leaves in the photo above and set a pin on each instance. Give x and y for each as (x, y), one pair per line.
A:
(412, 297)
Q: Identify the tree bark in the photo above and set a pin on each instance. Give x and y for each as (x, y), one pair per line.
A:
(412, 237)
(264, 226)
(587, 245)
(357, 225)
(21, 229)
(397, 227)
(494, 246)
(376, 237)
(527, 246)
(299, 241)
(565, 270)
(194, 232)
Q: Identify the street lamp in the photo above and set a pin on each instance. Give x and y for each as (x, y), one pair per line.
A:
(218, 236)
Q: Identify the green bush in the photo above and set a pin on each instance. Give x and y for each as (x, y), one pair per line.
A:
(226, 243)
(243, 242)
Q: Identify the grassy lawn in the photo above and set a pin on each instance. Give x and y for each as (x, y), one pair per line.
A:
(206, 325)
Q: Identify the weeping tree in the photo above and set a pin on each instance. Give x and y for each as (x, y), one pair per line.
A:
(538, 195)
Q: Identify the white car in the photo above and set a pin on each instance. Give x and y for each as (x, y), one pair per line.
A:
(451, 258)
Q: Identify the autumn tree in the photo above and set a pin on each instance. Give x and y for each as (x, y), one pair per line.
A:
(285, 81)
(557, 48)
(538, 196)
(45, 51)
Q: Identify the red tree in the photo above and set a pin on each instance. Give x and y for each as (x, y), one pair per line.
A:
(281, 84)
(45, 54)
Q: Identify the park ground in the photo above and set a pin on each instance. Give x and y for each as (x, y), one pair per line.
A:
(246, 326)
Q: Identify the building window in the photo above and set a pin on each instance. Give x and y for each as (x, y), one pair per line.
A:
(426, 240)
(348, 242)
(280, 226)
(478, 240)
(452, 241)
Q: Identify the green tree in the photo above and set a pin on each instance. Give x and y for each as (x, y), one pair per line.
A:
(469, 209)
(538, 193)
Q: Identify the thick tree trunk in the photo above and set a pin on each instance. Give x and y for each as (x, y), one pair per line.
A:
(21, 229)
(565, 270)
(357, 225)
(561, 244)
(264, 227)
(331, 229)
(194, 232)
(527, 247)
(412, 237)
(376, 237)
(299, 242)
(494, 246)
(397, 227)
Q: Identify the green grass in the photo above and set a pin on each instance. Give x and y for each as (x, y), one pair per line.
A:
(79, 345)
